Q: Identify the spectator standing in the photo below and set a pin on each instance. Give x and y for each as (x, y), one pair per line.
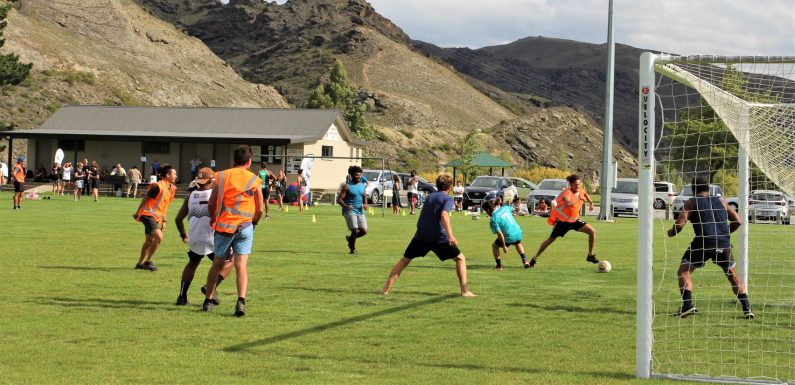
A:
(87, 170)
(18, 173)
(458, 196)
(397, 185)
(281, 187)
(94, 178)
(67, 177)
(412, 193)
(56, 178)
(134, 179)
(2, 174)
(154, 167)
(195, 165)
(301, 189)
(79, 180)
(267, 181)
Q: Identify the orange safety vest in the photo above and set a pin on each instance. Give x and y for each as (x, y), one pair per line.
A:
(19, 176)
(567, 213)
(236, 191)
(158, 207)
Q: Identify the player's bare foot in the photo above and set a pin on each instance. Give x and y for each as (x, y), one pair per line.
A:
(385, 292)
(468, 294)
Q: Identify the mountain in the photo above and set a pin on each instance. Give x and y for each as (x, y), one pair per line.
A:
(563, 71)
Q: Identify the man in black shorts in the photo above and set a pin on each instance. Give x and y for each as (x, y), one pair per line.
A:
(713, 222)
(18, 173)
(267, 181)
(434, 233)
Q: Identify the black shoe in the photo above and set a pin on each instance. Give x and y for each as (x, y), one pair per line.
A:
(267, 217)
(149, 266)
(182, 301)
(353, 251)
(749, 314)
(208, 306)
(215, 299)
(592, 258)
(139, 266)
(532, 262)
(240, 309)
(684, 313)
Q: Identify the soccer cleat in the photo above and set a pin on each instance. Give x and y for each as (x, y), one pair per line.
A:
(149, 266)
(684, 313)
(139, 266)
(498, 268)
(267, 217)
(527, 264)
(412, 213)
(532, 262)
(353, 251)
(240, 309)
(749, 314)
(182, 301)
(215, 299)
(592, 258)
(208, 306)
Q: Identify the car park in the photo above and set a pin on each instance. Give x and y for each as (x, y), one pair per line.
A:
(687, 193)
(483, 187)
(523, 186)
(624, 197)
(547, 189)
(665, 194)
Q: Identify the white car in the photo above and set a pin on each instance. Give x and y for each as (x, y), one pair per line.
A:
(769, 204)
(547, 189)
(624, 197)
(665, 194)
(687, 193)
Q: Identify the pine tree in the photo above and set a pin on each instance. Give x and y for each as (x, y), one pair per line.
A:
(340, 94)
(11, 70)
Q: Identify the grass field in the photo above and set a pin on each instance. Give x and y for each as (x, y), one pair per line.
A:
(77, 312)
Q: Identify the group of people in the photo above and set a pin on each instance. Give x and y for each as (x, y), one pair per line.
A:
(82, 179)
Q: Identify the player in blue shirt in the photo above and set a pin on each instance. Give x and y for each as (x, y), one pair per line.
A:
(354, 203)
(434, 233)
(508, 231)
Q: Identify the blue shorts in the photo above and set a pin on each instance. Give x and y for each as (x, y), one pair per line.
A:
(240, 242)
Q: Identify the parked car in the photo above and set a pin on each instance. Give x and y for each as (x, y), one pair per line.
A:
(524, 187)
(424, 185)
(484, 186)
(769, 204)
(687, 193)
(665, 194)
(377, 183)
(547, 189)
(624, 197)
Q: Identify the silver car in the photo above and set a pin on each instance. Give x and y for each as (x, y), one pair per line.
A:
(624, 197)
(377, 183)
(547, 189)
(769, 204)
(523, 186)
(687, 193)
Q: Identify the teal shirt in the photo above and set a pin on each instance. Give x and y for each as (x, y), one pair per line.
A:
(263, 174)
(502, 220)
(354, 198)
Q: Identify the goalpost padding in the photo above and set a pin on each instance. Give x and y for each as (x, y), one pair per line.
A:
(752, 146)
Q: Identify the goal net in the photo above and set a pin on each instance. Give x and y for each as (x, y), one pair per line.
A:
(730, 119)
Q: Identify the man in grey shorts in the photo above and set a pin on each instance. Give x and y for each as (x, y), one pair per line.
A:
(354, 204)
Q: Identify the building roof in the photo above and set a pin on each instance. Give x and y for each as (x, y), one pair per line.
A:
(483, 159)
(190, 123)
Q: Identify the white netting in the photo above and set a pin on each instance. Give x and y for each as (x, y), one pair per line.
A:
(705, 112)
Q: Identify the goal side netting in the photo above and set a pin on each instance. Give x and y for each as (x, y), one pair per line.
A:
(729, 119)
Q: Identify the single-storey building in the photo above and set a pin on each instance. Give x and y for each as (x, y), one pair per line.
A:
(174, 135)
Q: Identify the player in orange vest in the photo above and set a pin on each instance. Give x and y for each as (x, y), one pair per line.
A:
(152, 213)
(235, 209)
(565, 216)
(18, 173)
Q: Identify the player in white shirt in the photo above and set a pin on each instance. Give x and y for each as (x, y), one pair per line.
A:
(200, 238)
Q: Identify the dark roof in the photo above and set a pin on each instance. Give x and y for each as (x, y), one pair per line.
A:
(483, 159)
(191, 123)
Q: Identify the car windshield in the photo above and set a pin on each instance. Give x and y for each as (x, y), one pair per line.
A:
(553, 185)
(686, 192)
(626, 187)
(423, 180)
(766, 197)
(371, 175)
(485, 182)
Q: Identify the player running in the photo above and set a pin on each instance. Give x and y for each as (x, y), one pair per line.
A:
(508, 231)
(268, 178)
(434, 233)
(353, 200)
(200, 238)
(152, 214)
(566, 216)
(713, 222)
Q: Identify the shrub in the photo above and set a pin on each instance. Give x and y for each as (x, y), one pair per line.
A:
(381, 136)
(84, 77)
(52, 107)
(125, 99)
(538, 174)
(408, 134)
(22, 109)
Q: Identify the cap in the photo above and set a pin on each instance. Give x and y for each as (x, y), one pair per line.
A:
(21, 159)
(205, 175)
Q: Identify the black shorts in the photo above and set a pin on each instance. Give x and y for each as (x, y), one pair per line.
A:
(698, 258)
(266, 193)
(19, 187)
(499, 242)
(196, 257)
(94, 183)
(55, 177)
(561, 228)
(411, 196)
(442, 250)
(458, 199)
(150, 224)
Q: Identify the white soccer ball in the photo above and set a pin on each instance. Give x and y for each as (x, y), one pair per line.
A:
(604, 267)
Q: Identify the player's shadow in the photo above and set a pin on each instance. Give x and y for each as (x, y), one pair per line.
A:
(573, 309)
(343, 291)
(82, 268)
(107, 303)
(614, 375)
(332, 325)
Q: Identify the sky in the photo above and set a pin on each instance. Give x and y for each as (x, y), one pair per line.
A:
(730, 27)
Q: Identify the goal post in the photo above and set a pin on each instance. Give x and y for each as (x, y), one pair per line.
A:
(732, 119)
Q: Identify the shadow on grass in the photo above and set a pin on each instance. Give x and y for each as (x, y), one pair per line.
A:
(331, 325)
(450, 267)
(573, 309)
(108, 303)
(377, 291)
(83, 268)
(615, 375)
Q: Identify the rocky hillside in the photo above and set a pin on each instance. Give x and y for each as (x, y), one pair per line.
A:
(113, 52)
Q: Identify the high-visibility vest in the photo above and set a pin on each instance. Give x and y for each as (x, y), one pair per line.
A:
(158, 207)
(565, 213)
(19, 173)
(236, 190)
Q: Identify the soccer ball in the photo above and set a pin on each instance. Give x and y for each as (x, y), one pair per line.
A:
(604, 267)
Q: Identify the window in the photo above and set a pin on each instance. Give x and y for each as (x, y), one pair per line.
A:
(69, 145)
(157, 148)
(327, 151)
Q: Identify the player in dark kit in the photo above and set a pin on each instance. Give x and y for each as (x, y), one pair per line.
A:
(713, 222)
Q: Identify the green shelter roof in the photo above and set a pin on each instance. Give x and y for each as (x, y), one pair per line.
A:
(483, 159)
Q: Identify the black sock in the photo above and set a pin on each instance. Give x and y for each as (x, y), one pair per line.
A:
(183, 289)
(687, 298)
(208, 300)
(499, 262)
(220, 279)
(744, 300)
(241, 299)
(360, 234)
(524, 258)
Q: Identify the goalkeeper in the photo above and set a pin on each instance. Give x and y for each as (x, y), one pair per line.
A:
(713, 222)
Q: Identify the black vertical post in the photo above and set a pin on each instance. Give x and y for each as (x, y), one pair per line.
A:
(213, 158)
(503, 171)
(74, 165)
(10, 153)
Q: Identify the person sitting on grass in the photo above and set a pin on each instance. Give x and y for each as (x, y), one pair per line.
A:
(518, 208)
(508, 231)
(542, 210)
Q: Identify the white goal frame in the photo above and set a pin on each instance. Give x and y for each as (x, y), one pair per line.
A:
(646, 146)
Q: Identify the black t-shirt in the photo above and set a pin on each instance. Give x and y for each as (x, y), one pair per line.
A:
(154, 191)
(79, 174)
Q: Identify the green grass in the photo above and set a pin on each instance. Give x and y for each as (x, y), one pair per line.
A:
(77, 312)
